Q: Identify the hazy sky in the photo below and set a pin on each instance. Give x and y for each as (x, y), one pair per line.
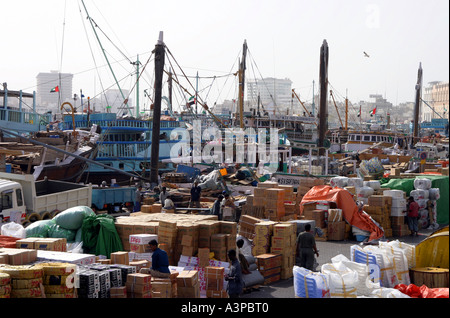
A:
(206, 36)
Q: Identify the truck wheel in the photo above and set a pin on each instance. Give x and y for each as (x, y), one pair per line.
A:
(33, 217)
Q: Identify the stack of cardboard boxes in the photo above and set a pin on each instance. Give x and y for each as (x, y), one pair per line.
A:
(336, 226)
(269, 265)
(262, 238)
(283, 242)
(17, 256)
(379, 208)
(167, 237)
(187, 240)
(214, 282)
(247, 226)
(188, 284)
(41, 243)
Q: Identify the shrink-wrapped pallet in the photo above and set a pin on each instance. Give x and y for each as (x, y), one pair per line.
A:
(309, 284)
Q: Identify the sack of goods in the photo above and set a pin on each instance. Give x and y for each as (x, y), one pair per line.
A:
(355, 182)
(422, 183)
(309, 284)
(342, 280)
(374, 184)
(420, 194)
(339, 182)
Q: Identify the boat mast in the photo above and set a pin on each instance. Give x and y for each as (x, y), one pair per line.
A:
(242, 67)
(323, 78)
(159, 70)
(125, 100)
(417, 105)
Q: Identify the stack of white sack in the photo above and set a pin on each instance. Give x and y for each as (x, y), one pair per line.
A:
(363, 193)
(340, 182)
(342, 280)
(374, 184)
(398, 201)
(365, 285)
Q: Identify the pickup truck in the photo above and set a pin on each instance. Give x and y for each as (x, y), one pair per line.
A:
(22, 196)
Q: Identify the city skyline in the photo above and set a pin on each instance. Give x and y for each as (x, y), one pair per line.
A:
(205, 38)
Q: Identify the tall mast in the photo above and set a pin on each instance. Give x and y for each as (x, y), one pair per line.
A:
(417, 105)
(242, 67)
(159, 70)
(323, 110)
(125, 100)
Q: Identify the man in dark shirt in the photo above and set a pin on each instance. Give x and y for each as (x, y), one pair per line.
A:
(195, 195)
(215, 210)
(306, 247)
(160, 261)
(234, 277)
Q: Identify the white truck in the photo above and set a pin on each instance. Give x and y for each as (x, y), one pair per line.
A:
(21, 196)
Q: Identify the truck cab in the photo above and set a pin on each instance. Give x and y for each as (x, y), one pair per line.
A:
(12, 205)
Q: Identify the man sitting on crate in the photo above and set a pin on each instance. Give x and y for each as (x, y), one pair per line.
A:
(160, 261)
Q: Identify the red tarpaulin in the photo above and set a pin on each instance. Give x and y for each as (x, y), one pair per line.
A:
(423, 291)
(344, 201)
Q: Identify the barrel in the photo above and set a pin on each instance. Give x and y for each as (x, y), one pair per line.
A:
(432, 277)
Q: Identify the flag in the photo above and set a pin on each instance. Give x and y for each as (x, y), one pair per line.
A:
(373, 112)
(191, 100)
(54, 89)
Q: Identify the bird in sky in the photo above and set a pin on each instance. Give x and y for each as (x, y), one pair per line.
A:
(366, 55)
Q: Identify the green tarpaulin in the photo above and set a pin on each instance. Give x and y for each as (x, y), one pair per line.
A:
(100, 235)
(441, 182)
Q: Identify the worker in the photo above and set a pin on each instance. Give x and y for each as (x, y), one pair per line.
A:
(137, 199)
(195, 195)
(160, 261)
(228, 203)
(242, 260)
(234, 277)
(306, 248)
(163, 195)
(412, 210)
(216, 208)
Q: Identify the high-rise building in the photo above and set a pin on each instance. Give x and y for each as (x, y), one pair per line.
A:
(46, 82)
(436, 96)
(274, 93)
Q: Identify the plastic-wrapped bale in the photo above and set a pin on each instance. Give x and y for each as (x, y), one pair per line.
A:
(394, 193)
(423, 204)
(365, 285)
(423, 221)
(359, 255)
(422, 183)
(355, 182)
(408, 249)
(363, 194)
(420, 194)
(341, 279)
(434, 194)
(388, 276)
(39, 228)
(57, 231)
(72, 218)
(339, 182)
(374, 184)
(309, 284)
(387, 293)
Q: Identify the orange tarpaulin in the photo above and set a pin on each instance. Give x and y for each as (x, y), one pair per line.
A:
(344, 201)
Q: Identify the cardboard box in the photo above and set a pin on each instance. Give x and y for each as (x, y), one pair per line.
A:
(187, 240)
(267, 261)
(334, 215)
(216, 293)
(228, 227)
(267, 184)
(187, 278)
(203, 257)
(142, 238)
(138, 278)
(26, 242)
(120, 258)
(140, 248)
(319, 217)
(118, 292)
(220, 253)
(189, 292)
(275, 194)
(218, 240)
(336, 231)
(188, 250)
